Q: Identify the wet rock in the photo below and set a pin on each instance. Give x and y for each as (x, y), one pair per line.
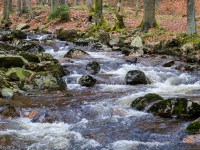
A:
(19, 34)
(168, 64)
(180, 107)
(104, 38)
(44, 117)
(19, 74)
(9, 111)
(141, 102)
(22, 26)
(134, 77)
(7, 37)
(153, 47)
(28, 46)
(30, 57)
(67, 35)
(7, 49)
(194, 127)
(51, 80)
(87, 80)
(7, 93)
(8, 61)
(114, 41)
(93, 67)
(77, 53)
(132, 60)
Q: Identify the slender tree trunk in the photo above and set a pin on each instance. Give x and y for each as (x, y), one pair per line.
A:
(191, 24)
(119, 15)
(22, 7)
(156, 5)
(66, 3)
(89, 4)
(149, 19)
(54, 4)
(6, 10)
(98, 16)
(75, 2)
(28, 3)
(10, 6)
(137, 7)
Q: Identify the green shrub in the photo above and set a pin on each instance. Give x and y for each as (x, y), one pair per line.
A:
(61, 12)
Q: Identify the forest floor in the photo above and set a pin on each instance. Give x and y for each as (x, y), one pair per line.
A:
(171, 16)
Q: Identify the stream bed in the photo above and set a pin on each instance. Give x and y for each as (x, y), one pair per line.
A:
(100, 117)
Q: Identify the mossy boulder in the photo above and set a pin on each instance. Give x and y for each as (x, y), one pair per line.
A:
(8, 61)
(27, 46)
(51, 80)
(93, 67)
(7, 37)
(77, 53)
(67, 35)
(30, 57)
(7, 49)
(22, 26)
(87, 80)
(135, 77)
(19, 74)
(180, 107)
(19, 34)
(193, 127)
(141, 102)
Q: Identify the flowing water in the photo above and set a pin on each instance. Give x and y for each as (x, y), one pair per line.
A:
(100, 117)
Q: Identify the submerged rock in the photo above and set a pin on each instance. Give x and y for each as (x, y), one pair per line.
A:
(77, 53)
(180, 107)
(141, 102)
(93, 67)
(87, 80)
(134, 77)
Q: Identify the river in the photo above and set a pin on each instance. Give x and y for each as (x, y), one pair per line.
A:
(100, 117)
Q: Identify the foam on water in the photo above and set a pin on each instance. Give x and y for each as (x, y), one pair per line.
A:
(50, 135)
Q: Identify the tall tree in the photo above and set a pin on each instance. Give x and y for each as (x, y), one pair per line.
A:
(149, 19)
(6, 10)
(119, 15)
(75, 2)
(21, 6)
(28, 3)
(137, 7)
(54, 4)
(98, 15)
(191, 24)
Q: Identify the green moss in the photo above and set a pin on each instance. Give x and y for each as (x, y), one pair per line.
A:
(193, 127)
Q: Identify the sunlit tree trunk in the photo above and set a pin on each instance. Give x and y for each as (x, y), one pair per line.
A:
(6, 10)
(149, 19)
(119, 15)
(191, 24)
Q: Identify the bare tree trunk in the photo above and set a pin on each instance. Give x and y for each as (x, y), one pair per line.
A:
(75, 2)
(66, 3)
(137, 7)
(119, 15)
(22, 7)
(149, 19)
(54, 4)
(191, 23)
(156, 5)
(10, 6)
(98, 16)
(6, 10)
(28, 3)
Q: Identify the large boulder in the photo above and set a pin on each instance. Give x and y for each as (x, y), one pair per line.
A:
(51, 80)
(19, 74)
(27, 46)
(30, 57)
(67, 35)
(77, 53)
(141, 102)
(134, 77)
(87, 80)
(193, 127)
(22, 26)
(180, 107)
(8, 61)
(93, 67)
(19, 34)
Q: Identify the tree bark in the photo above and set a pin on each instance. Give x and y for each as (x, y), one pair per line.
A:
(28, 3)
(191, 23)
(6, 10)
(54, 4)
(149, 19)
(98, 16)
(119, 15)
(137, 7)
(75, 2)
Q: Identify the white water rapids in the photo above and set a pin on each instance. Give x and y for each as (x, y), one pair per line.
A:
(104, 120)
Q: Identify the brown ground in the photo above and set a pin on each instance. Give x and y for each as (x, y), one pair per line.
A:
(171, 15)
